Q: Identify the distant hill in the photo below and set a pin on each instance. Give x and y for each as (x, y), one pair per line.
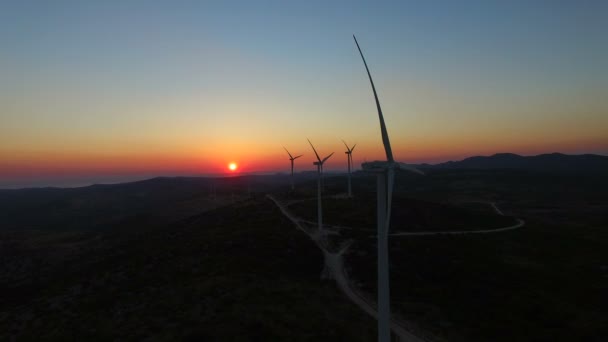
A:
(553, 162)
(155, 201)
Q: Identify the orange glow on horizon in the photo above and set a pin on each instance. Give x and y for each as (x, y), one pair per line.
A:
(265, 157)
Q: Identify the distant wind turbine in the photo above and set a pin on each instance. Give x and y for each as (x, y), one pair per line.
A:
(291, 158)
(349, 155)
(319, 163)
(385, 171)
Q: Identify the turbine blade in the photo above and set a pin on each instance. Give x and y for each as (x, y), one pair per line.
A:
(406, 167)
(353, 148)
(288, 152)
(347, 149)
(327, 157)
(313, 148)
(385, 140)
(297, 156)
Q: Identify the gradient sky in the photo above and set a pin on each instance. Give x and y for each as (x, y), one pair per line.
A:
(90, 88)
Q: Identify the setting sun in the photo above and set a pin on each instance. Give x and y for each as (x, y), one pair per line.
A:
(232, 166)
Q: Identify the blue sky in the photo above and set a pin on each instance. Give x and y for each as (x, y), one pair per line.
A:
(196, 83)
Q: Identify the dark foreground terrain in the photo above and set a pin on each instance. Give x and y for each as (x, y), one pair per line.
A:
(238, 273)
(171, 259)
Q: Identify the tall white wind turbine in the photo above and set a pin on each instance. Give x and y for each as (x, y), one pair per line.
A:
(291, 158)
(349, 155)
(385, 171)
(319, 163)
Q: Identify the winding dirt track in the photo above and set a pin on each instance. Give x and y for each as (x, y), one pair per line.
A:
(334, 267)
(520, 223)
(334, 264)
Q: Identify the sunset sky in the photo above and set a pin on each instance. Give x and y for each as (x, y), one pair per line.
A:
(129, 88)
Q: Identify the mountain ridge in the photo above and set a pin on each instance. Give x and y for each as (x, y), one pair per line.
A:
(549, 162)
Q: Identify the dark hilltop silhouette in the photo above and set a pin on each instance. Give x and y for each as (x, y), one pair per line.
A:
(553, 163)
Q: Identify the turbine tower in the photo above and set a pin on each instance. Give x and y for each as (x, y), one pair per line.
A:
(385, 171)
(349, 155)
(319, 163)
(291, 158)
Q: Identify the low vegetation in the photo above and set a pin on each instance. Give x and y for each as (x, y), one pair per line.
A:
(239, 273)
(182, 264)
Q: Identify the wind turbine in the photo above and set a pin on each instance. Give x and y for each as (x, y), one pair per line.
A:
(385, 171)
(291, 158)
(349, 155)
(319, 163)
